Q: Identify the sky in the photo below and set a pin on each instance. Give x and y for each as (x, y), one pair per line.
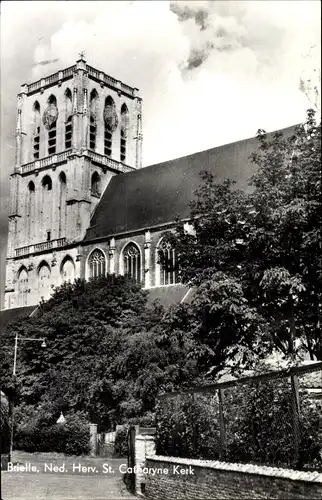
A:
(209, 72)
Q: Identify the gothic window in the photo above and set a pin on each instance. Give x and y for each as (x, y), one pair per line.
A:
(168, 264)
(97, 264)
(93, 99)
(96, 184)
(107, 140)
(132, 262)
(30, 208)
(52, 114)
(110, 124)
(62, 203)
(44, 281)
(67, 270)
(124, 132)
(22, 287)
(68, 133)
(36, 136)
(92, 134)
(47, 184)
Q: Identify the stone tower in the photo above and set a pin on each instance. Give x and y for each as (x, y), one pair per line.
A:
(75, 130)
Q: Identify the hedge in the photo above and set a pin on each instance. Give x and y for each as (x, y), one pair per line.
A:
(70, 438)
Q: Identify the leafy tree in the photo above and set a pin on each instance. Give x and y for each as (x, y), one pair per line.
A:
(254, 259)
(104, 354)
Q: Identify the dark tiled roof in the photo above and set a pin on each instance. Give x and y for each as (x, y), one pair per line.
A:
(157, 194)
(9, 315)
(167, 295)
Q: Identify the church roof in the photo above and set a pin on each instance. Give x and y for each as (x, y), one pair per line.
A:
(156, 194)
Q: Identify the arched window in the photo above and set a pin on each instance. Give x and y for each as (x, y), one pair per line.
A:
(132, 262)
(96, 184)
(110, 124)
(23, 287)
(92, 134)
(36, 137)
(52, 129)
(67, 269)
(46, 183)
(124, 131)
(97, 264)
(168, 264)
(62, 204)
(93, 103)
(44, 281)
(68, 132)
(30, 209)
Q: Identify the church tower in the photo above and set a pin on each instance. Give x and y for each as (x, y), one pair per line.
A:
(75, 130)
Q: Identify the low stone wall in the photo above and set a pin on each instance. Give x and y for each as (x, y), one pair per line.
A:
(184, 479)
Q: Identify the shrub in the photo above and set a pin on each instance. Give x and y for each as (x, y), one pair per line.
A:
(120, 444)
(4, 427)
(70, 438)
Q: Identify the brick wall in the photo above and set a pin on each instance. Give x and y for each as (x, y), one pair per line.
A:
(200, 480)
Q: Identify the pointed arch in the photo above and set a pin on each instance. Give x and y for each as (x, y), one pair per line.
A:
(124, 131)
(95, 184)
(166, 264)
(36, 131)
(62, 204)
(47, 183)
(30, 210)
(97, 264)
(52, 100)
(110, 124)
(67, 269)
(22, 279)
(131, 257)
(44, 275)
(68, 99)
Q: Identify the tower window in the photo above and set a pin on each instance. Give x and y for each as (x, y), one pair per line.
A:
(123, 146)
(124, 131)
(36, 143)
(132, 262)
(92, 134)
(68, 133)
(52, 139)
(47, 184)
(95, 184)
(48, 235)
(107, 140)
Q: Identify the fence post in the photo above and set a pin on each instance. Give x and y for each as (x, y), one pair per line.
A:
(296, 416)
(223, 440)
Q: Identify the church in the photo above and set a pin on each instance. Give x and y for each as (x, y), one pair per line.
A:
(81, 205)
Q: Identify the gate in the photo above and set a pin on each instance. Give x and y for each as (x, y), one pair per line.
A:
(130, 479)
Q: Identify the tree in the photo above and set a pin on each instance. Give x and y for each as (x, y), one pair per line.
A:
(103, 355)
(254, 259)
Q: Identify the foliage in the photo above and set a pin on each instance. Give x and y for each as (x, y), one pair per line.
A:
(71, 438)
(105, 355)
(253, 257)
(4, 426)
(120, 444)
(187, 428)
(258, 426)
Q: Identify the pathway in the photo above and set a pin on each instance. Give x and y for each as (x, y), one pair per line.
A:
(50, 477)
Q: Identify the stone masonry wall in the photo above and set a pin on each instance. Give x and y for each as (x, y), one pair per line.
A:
(205, 480)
